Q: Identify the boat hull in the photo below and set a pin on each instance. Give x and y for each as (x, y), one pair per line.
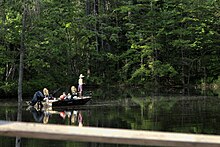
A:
(71, 102)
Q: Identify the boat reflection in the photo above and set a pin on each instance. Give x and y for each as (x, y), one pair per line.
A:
(72, 116)
(40, 115)
(75, 117)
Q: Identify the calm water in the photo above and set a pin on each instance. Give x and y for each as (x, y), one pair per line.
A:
(191, 113)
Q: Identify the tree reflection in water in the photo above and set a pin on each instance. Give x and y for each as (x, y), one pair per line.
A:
(19, 118)
(168, 113)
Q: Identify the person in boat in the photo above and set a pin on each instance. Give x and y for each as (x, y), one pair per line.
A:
(46, 92)
(63, 96)
(39, 97)
(68, 96)
(47, 95)
(80, 84)
(73, 92)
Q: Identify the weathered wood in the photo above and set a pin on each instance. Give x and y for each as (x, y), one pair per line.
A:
(106, 135)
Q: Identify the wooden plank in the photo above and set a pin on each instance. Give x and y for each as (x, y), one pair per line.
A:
(106, 135)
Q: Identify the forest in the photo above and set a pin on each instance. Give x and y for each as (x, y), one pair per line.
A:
(111, 42)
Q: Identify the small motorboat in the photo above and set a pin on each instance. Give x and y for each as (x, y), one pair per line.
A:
(71, 102)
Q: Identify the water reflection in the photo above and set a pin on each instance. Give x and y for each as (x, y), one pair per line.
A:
(19, 118)
(139, 110)
(74, 117)
(42, 115)
(39, 115)
(191, 114)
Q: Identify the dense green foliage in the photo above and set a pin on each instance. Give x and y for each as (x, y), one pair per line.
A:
(170, 42)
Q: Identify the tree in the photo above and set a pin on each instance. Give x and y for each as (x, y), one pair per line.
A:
(22, 52)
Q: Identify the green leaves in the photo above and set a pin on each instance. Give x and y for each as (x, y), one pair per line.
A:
(161, 70)
(126, 41)
(68, 25)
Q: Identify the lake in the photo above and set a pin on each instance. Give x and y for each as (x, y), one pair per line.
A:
(170, 111)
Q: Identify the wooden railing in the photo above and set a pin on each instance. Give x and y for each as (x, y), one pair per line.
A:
(106, 135)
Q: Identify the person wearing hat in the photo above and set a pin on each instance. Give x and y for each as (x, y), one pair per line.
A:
(80, 83)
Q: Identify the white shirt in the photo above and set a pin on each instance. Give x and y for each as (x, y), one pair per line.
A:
(80, 81)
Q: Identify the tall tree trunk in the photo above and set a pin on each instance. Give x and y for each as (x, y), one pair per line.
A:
(22, 50)
(96, 12)
(182, 54)
(88, 9)
(153, 40)
(4, 33)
